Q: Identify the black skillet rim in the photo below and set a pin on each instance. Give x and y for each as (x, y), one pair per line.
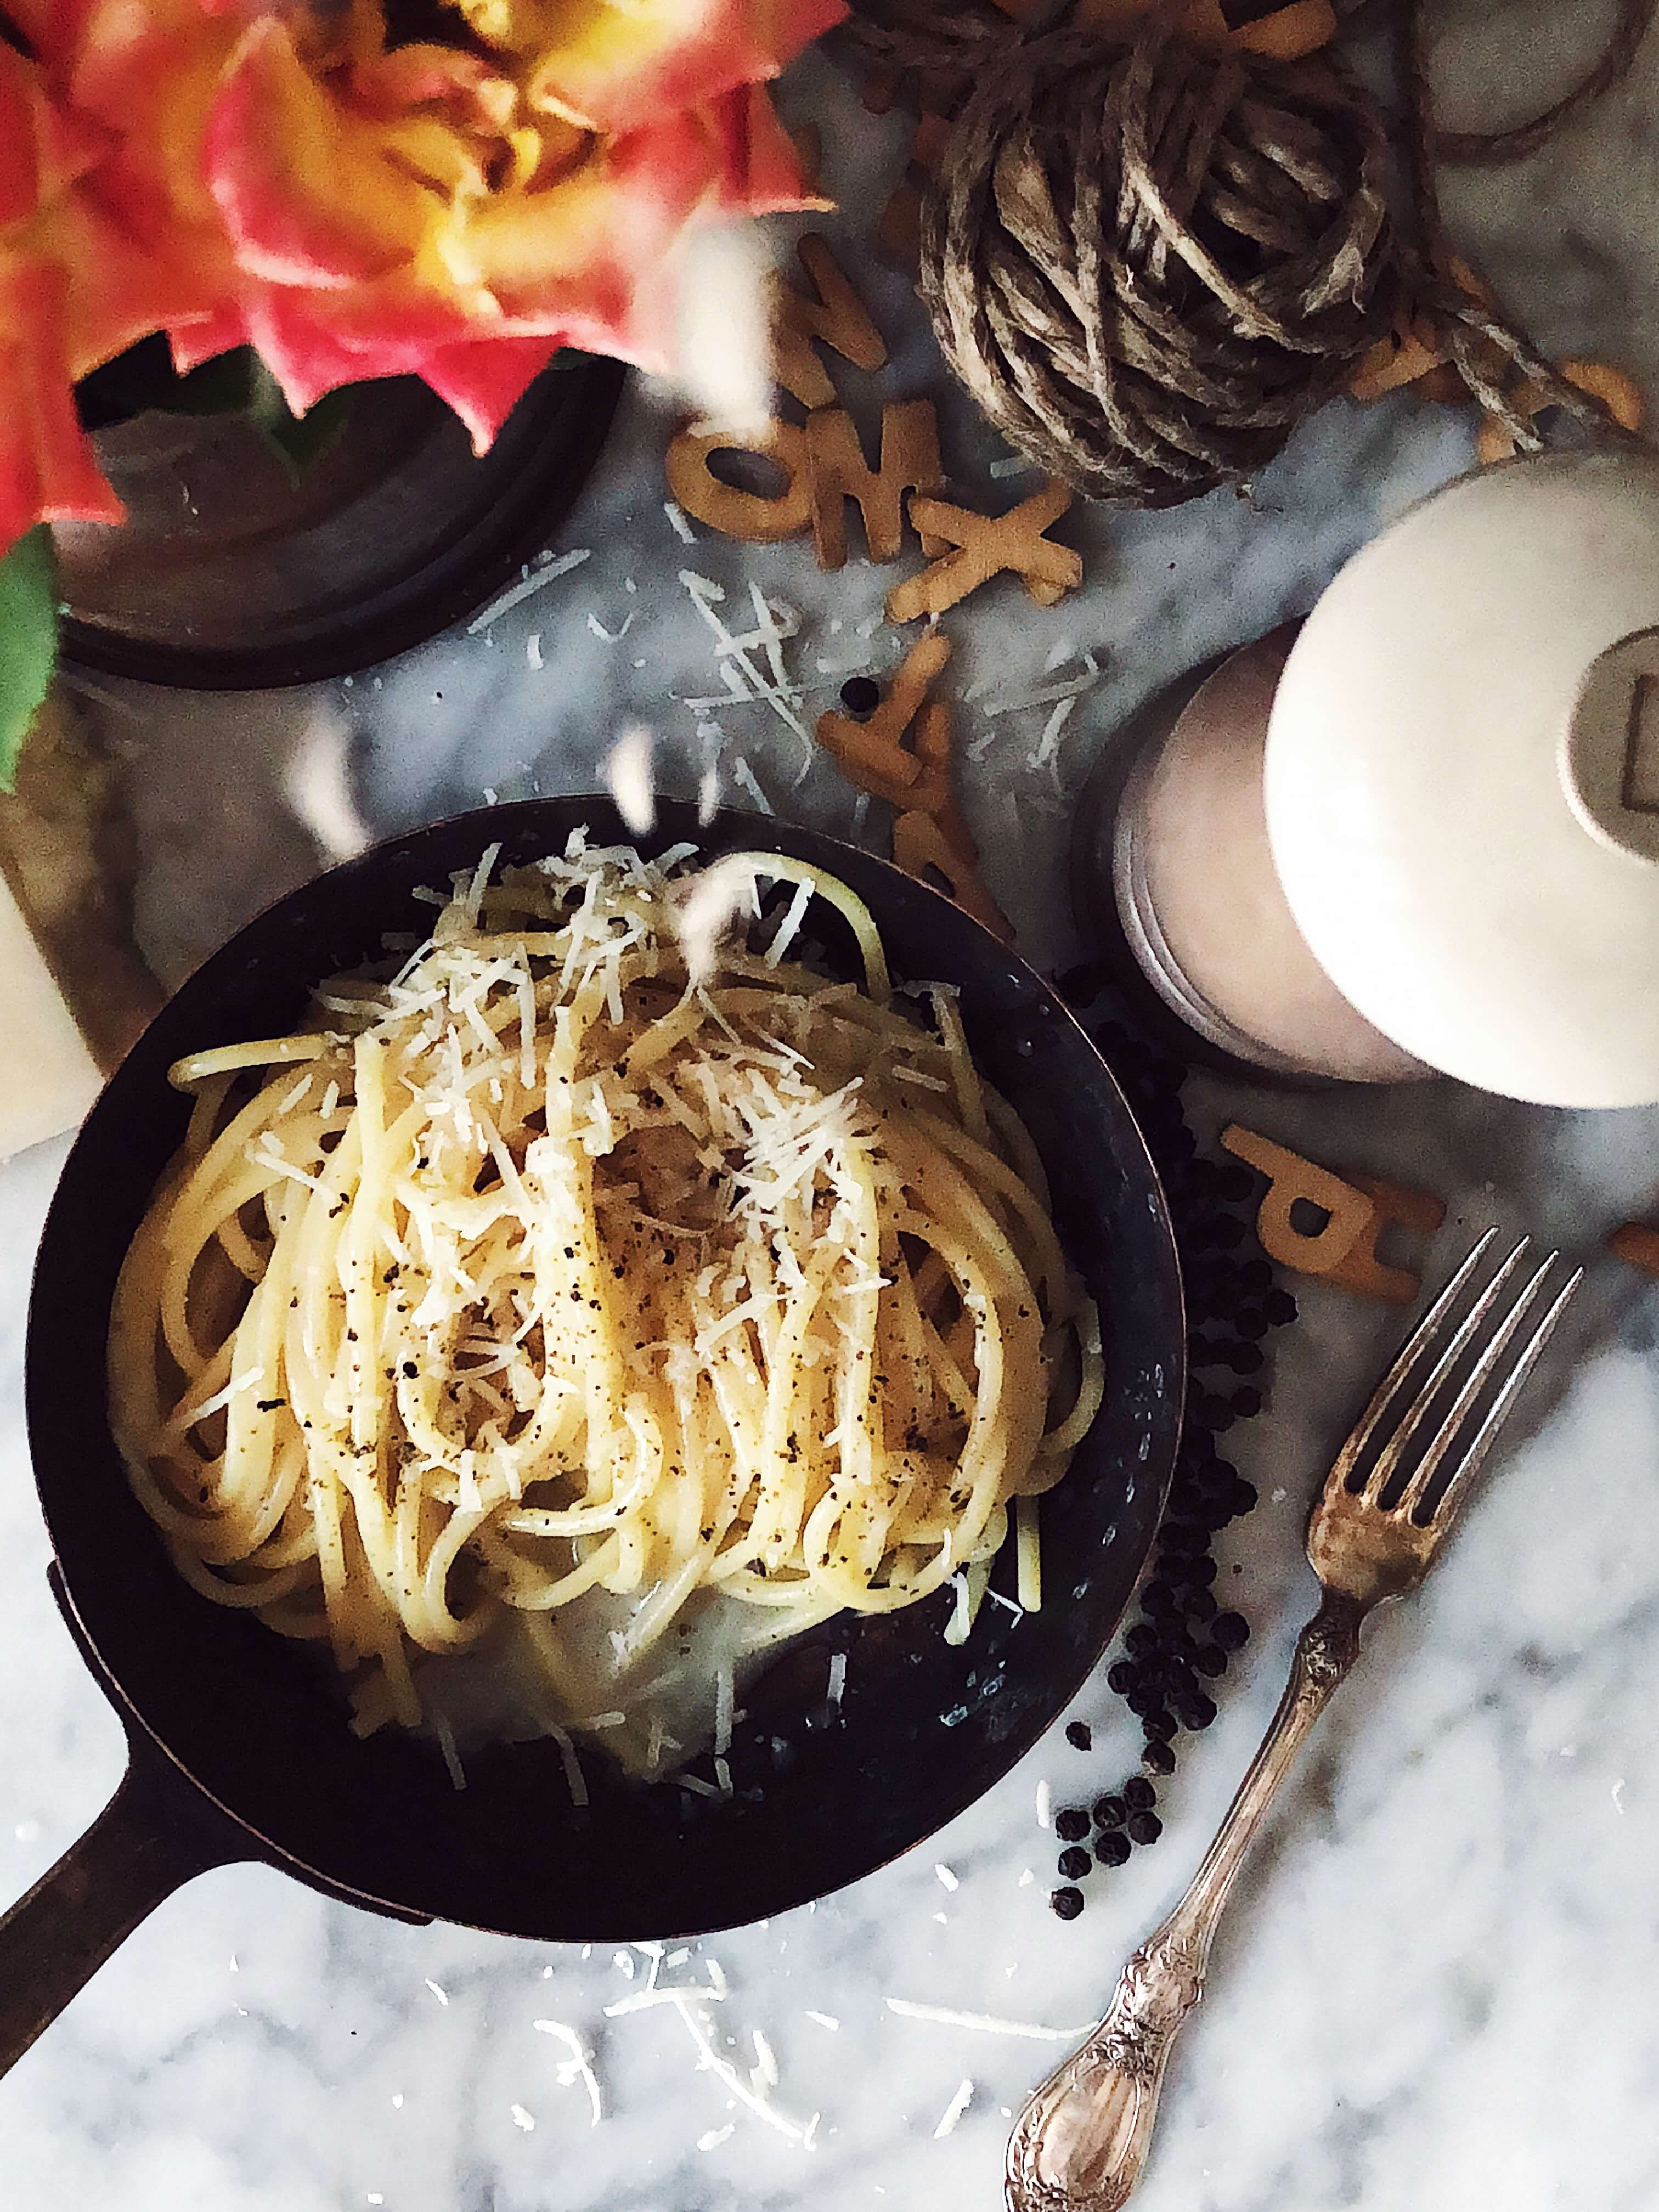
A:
(551, 819)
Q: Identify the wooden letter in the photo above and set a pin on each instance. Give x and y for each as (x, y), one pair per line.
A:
(1619, 394)
(922, 849)
(1637, 1246)
(910, 462)
(737, 513)
(835, 317)
(1287, 33)
(874, 752)
(985, 545)
(1343, 1249)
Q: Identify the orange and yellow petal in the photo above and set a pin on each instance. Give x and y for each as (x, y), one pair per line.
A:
(195, 338)
(620, 67)
(304, 186)
(760, 167)
(51, 29)
(47, 472)
(484, 379)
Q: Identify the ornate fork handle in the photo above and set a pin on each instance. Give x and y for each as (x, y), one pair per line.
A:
(1083, 2139)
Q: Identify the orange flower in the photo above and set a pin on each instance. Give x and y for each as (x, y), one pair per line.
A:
(231, 172)
(53, 326)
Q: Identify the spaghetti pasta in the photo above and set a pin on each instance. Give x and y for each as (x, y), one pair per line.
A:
(606, 1272)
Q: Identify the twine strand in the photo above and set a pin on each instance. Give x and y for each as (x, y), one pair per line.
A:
(1518, 141)
(1149, 258)
(1495, 358)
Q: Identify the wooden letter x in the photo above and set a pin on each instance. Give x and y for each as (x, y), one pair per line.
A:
(985, 545)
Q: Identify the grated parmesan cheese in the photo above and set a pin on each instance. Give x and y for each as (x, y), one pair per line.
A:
(578, 2067)
(626, 772)
(985, 2023)
(954, 2111)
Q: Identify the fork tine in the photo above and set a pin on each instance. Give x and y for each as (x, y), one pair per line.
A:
(1405, 1361)
(1481, 1375)
(1388, 1460)
(1479, 1443)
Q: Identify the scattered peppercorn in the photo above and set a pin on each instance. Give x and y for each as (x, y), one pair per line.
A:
(861, 695)
(1184, 1640)
(1079, 1736)
(1073, 1863)
(1066, 1904)
(1072, 1825)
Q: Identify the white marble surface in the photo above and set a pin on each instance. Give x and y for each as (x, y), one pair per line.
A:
(1435, 1992)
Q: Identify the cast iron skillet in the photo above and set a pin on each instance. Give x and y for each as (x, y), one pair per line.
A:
(240, 1748)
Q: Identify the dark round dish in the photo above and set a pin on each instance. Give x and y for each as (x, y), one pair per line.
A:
(258, 1760)
(234, 573)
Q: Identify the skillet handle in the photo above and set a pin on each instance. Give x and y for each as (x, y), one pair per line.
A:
(157, 1833)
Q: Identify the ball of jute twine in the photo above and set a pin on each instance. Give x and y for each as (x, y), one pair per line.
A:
(1119, 395)
(1150, 260)
(936, 49)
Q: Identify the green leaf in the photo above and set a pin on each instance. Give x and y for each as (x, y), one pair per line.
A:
(299, 439)
(28, 642)
(233, 383)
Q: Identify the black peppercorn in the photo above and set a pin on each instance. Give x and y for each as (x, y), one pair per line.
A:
(1140, 1639)
(1066, 1904)
(1110, 1812)
(1189, 1533)
(1074, 1863)
(1145, 1827)
(1157, 1757)
(1279, 1307)
(1198, 1710)
(1242, 1497)
(1230, 1630)
(1198, 1605)
(861, 695)
(1072, 1825)
(1139, 1794)
(1211, 1661)
(1255, 1275)
(1159, 1724)
(1077, 1733)
(1112, 1848)
(1157, 1600)
(1121, 1677)
(1247, 1403)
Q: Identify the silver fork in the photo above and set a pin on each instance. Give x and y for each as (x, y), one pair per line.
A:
(1081, 2142)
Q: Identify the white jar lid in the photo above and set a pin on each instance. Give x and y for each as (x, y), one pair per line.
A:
(1462, 780)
